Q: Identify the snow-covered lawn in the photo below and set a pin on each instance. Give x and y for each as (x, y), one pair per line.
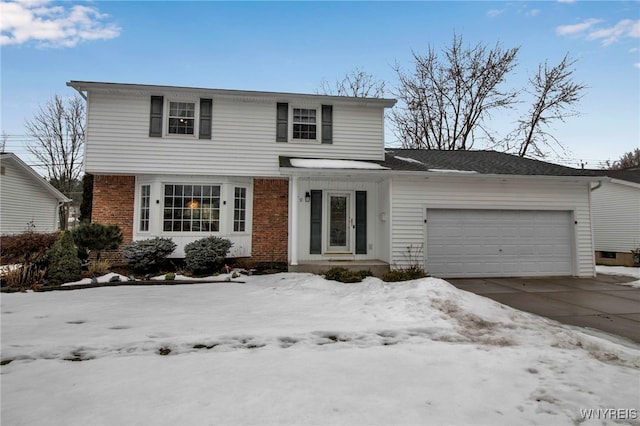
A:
(297, 349)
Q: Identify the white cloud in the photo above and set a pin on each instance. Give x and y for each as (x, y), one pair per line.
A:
(533, 12)
(566, 1)
(495, 12)
(637, 65)
(38, 21)
(624, 28)
(577, 28)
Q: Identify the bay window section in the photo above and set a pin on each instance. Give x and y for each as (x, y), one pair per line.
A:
(191, 208)
(145, 207)
(239, 209)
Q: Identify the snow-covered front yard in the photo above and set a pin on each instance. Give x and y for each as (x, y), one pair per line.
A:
(297, 349)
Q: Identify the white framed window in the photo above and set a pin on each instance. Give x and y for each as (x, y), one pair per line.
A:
(181, 120)
(145, 207)
(191, 208)
(304, 123)
(240, 209)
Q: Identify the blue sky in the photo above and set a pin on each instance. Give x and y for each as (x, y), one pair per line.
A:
(293, 46)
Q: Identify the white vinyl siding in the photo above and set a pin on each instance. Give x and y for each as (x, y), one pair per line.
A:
(24, 202)
(616, 217)
(243, 139)
(412, 197)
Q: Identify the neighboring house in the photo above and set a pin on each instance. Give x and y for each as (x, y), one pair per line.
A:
(27, 201)
(615, 207)
(306, 180)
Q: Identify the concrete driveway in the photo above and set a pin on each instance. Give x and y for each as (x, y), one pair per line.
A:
(600, 303)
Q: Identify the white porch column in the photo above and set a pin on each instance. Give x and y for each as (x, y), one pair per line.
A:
(293, 220)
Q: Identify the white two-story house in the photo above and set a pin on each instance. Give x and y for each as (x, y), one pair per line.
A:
(306, 180)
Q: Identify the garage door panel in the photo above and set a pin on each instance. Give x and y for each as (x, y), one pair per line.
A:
(465, 243)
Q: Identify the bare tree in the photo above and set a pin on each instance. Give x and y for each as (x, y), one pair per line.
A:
(57, 141)
(628, 159)
(446, 99)
(554, 94)
(355, 83)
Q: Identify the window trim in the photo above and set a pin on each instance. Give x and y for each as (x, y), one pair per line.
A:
(195, 118)
(243, 210)
(142, 208)
(220, 215)
(318, 123)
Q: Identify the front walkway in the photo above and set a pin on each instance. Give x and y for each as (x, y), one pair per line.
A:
(600, 303)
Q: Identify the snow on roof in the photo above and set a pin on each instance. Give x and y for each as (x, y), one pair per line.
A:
(409, 160)
(313, 163)
(451, 170)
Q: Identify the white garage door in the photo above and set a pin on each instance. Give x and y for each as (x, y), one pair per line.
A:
(486, 243)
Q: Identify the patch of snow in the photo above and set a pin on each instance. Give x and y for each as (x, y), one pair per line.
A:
(295, 348)
(623, 271)
(309, 163)
(102, 279)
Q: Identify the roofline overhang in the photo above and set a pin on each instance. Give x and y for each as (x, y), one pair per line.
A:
(85, 86)
(299, 171)
(624, 182)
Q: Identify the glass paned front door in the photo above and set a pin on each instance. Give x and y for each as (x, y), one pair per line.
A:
(339, 217)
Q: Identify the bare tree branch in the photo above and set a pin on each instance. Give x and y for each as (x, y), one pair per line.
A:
(57, 132)
(554, 95)
(628, 160)
(356, 83)
(446, 99)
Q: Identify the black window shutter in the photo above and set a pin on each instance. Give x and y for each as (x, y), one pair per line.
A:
(315, 246)
(327, 124)
(155, 122)
(282, 122)
(206, 106)
(361, 222)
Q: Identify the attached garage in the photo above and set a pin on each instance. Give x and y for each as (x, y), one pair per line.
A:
(488, 242)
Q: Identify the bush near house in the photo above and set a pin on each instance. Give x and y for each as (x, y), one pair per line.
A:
(345, 275)
(64, 264)
(411, 273)
(28, 252)
(96, 237)
(144, 255)
(206, 254)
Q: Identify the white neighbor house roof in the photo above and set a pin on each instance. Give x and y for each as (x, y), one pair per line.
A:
(39, 180)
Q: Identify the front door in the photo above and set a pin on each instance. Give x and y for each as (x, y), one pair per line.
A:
(340, 222)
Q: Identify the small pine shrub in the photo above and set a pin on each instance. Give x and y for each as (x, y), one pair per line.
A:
(206, 254)
(344, 275)
(64, 265)
(146, 254)
(97, 237)
(412, 273)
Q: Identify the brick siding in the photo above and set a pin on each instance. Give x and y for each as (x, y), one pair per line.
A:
(270, 220)
(113, 203)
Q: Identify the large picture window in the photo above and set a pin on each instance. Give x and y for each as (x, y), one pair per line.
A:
(182, 118)
(191, 208)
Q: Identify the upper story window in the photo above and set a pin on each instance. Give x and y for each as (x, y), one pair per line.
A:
(182, 118)
(304, 123)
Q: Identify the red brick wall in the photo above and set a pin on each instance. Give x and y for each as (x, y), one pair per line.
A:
(270, 220)
(113, 202)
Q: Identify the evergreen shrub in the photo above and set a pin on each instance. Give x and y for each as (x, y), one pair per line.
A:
(146, 254)
(206, 254)
(64, 265)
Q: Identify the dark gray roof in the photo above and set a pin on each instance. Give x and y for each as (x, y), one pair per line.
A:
(485, 162)
(630, 175)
